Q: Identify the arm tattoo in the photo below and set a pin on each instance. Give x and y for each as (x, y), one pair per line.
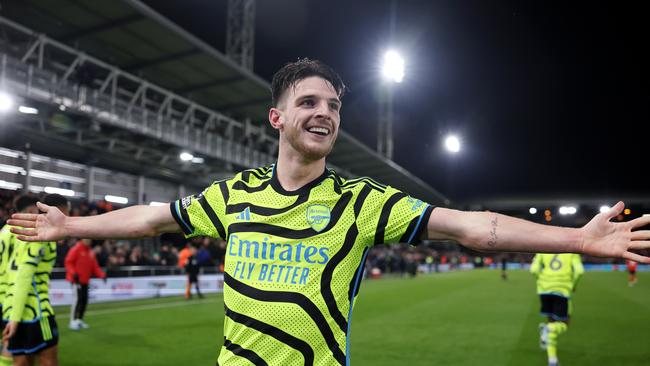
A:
(492, 242)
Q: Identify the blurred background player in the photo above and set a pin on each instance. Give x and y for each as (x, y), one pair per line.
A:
(25, 204)
(80, 265)
(631, 270)
(504, 267)
(557, 276)
(192, 270)
(31, 329)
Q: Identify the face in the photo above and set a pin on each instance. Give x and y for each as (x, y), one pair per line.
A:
(308, 118)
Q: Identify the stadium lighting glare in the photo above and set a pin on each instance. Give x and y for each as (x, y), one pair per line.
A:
(197, 160)
(568, 210)
(61, 191)
(532, 210)
(9, 185)
(116, 199)
(27, 110)
(393, 67)
(604, 208)
(156, 203)
(452, 144)
(6, 102)
(185, 156)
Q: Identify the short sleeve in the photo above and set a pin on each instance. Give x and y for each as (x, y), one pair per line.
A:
(202, 214)
(401, 218)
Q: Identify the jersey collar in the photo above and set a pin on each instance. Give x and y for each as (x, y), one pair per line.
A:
(275, 183)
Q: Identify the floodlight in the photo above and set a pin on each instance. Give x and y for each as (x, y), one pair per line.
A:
(6, 102)
(393, 67)
(27, 110)
(452, 143)
(116, 199)
(185, 156)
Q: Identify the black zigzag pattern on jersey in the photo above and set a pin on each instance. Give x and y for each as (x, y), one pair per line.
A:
(328, 272)
(385, 215)
(337, 212)
(354, 279)
(277, 333)
(266, 211)
(295, 298)
(241, 186)
(240, 351)
(212, 216)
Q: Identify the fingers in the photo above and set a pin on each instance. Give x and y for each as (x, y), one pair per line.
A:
(22, 223)
(640, 221)
(615, 210)
(640, 234)
(640, 244)
(636, 257)
(23, 231)
(24, 216)
(43, 207)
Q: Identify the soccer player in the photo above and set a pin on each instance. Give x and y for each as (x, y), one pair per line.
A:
(557, 277)
(31, 329)
(24, 204)
(631, 269)
(298, 234)
(80, 265)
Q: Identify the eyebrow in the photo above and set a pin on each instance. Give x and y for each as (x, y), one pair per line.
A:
(314, 96)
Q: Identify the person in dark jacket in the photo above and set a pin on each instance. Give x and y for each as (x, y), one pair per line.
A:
(192, 270)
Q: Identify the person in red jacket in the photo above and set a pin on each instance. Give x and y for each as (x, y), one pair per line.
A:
(80, 266)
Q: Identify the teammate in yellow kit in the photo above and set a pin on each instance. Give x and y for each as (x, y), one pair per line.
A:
(557, 276)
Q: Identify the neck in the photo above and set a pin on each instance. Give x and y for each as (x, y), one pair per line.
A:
(294, 171)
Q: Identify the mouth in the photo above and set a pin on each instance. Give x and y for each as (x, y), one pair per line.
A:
(321, 131)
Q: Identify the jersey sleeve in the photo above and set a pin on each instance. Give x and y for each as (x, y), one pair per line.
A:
(203, 214)
(27, 260)
(401, 218)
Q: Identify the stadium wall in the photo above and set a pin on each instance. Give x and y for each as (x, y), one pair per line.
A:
(129, 288)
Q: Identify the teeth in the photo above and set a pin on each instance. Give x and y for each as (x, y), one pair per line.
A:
(321, 130)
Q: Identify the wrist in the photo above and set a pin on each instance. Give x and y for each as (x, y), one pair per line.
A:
(579, 241)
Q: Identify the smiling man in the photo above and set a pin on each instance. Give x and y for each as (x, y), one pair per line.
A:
(298, 233)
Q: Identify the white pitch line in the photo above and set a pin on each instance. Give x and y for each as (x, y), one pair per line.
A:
(141, 307)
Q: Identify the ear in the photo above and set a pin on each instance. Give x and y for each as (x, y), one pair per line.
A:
(275, 118)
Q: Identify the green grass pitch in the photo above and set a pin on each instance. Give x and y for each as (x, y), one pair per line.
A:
(461, 318)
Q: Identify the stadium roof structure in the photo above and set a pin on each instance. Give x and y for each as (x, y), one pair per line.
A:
(136, 40)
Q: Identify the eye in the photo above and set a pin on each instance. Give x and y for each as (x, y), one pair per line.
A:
(307, 102)
(335, 106)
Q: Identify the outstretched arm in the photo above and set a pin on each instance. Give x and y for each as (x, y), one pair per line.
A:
(488, 231)
(127, 223)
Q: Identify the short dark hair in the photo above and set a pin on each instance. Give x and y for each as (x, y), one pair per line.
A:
(293, 72)
(22, 202)
(55, 199)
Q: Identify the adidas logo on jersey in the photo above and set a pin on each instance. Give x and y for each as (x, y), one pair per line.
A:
(244, 215)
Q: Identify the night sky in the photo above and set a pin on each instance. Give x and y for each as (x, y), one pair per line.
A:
(550, 98)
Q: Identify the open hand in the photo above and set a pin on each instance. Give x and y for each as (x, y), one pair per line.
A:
(48, 226)
(603, 238)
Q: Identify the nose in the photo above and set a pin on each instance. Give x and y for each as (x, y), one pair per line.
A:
(322, 110)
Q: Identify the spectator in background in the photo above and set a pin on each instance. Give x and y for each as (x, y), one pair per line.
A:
(80, 266)
(192, 270)
(167, 258)
(184, 254)
(631, 269)
(203, 254)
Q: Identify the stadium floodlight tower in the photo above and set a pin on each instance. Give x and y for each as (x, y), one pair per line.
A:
(392, 71)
